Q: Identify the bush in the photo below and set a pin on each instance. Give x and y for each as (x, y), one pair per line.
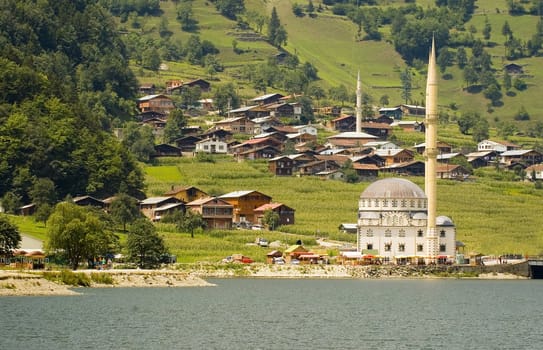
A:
(102, 278)
(68, 277)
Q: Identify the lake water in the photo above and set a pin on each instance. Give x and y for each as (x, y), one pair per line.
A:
(284, 313)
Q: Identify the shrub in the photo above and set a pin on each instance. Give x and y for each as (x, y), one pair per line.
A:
(102, 278)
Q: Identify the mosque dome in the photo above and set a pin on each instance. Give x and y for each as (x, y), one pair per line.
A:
(393, 188)
(444, 221)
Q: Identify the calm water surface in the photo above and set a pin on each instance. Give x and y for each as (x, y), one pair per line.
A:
(281, 314)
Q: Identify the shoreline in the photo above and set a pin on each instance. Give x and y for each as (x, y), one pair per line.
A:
(30, 283)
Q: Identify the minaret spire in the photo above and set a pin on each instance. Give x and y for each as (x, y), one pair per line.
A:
(432, 243)
(358, 104)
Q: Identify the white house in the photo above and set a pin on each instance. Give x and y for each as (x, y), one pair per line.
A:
(211, 145)
(535, 172)
(498, 146)
(306, 129)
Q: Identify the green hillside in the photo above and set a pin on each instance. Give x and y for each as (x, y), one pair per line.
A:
(329, 42)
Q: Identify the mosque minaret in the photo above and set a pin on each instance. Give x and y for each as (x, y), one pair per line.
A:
(358, 104)
(432, 242)
(397, 220)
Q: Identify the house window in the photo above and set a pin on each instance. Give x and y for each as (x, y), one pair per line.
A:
(419, 248)
(388, 233)
(206, 147)
(387, 247)
(401, 247)
(419, 233)
(442, 248)
(370, 246)
(442, 233)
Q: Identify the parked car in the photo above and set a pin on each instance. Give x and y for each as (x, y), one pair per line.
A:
(263, 242)
(279, 261)
(257, 227)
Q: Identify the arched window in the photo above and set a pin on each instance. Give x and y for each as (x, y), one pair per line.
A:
(401, 233)
(388, 233)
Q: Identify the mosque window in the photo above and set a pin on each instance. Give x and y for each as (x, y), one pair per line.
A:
(442, 248)
(419, 248)
(369, 233)
(412, 203)
(404, 203)
(401, 247)
(419, 203)
(385, 202)
(388, 246)
(376, 203)
(419, 233)
(442, 233)
(401, 233)
(394, 203)
(388, 233)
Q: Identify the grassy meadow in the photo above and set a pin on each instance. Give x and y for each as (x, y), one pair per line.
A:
(492, 216)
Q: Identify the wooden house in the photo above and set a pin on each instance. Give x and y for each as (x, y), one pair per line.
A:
(317, 166)
(27, 210)
(250, 112)
(219, 134)
(264, 152)
(238, 125)
(395, 156)
(384, 119)
(524, 157)
(244, 203)
(333, 174)
(157, 103)
(513, 69)
(285, 213)
(165, 150)
(452, 172)
(206, 104)
(395, 113)
(272, 256)
(350, 139)
(187, 143)
(204, 85)
(449, 158)
(217, 213)
(381, 130)
(366, 171)
(253, 144)
(413, 168)
(294, 252)
(412, 110)
(147, 89)
(280, 109)
(154, 207)
(482, 159)
(281, 166)
(332, 111)
(186, 193)
(442, 147)
(267, 99)
(88, 201)
(302, 137)
(261, 124)
(307, 129)
(143, 116)
(344, 123)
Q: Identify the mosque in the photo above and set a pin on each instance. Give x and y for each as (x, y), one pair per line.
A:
(396, 218)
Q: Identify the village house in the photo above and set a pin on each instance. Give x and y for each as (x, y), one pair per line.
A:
(165, 150)
(498, 146)
(381, 130)
(156, 103)
(452, 172)
(244, 203)
(302, 137)
(344, 123)
(257, 143)
(350, 139)
(294, 252)
(88, 201)
(410, 125)
(267, 99)
(285, 213)
(187, 143)
(368, 159)
(219, 134)
(524, 157)
(482, 159)
(395, 156)
(155, 207)
(144, 116)
(250, 112)
(238, 125)
(391, 112)
(442, 147)
(333, 174)
(384, 119)
(381, 145)
(280, 109)
(412, 110)
(449, 158)
(147, 89)
(211, 145)
(412, 168)
(306, 129)
(366, 172)
(317, 166)
(216, 213)
(261, 124)
(535, 172)
(331, 111)
(513, 69)
(281, 166)
(206, 104)
(264, 152)
(204, 85)
(186, 193)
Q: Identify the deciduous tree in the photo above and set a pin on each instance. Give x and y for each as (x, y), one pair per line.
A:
(144, 245)
(10, 238)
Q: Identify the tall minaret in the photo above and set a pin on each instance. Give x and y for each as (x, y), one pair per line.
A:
(432, 242)
(358, 104)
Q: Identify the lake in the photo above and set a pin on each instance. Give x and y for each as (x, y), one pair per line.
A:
(284, 313)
